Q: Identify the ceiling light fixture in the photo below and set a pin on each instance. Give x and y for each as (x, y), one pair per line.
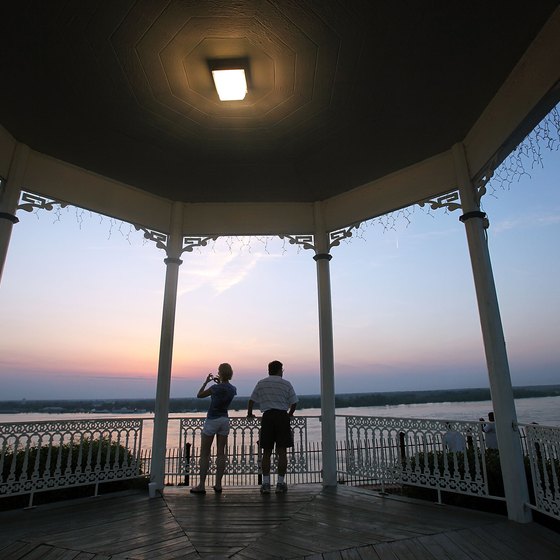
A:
(231, 85)
(230, 78)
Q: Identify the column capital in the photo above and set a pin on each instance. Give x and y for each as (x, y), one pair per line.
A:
(322, 256)
(10, 217)
(172, 260)
(474, 214)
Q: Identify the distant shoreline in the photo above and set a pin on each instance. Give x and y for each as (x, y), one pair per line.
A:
(190, 404)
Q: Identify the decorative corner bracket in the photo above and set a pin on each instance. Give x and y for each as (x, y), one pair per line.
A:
(306, 241)
(160, 239)
(482, 179)
(30, 202)
(450, 201)
(335, 237)
(190, 243)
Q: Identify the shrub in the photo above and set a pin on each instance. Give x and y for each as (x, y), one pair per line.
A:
(493, 474)
(90, 453)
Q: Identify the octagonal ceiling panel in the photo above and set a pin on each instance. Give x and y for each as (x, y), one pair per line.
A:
(342, 92)
(166, 66)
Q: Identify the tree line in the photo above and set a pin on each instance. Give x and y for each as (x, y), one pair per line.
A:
(192, 404)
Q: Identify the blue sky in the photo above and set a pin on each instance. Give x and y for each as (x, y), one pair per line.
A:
(81, 300)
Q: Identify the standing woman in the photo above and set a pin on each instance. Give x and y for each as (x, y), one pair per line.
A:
(221, 394)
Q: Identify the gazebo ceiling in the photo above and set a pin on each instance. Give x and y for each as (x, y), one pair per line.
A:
(341, 93)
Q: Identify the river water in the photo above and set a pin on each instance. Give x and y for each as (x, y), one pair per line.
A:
(543, 410)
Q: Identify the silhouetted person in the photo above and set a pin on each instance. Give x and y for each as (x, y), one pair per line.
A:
(277, 400)
(216, 424)
(489, 430)
(454, 440)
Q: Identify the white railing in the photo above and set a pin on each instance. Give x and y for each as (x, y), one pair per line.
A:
(41, 456)
(543, 450)
(443, 455)
(446, 456)
(243, 457)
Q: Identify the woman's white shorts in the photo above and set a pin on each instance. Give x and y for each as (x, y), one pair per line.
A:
(213, 426)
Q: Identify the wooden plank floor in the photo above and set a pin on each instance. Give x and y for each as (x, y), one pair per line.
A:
(308, 522)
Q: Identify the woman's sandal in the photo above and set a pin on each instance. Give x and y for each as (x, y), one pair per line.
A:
(217, 489)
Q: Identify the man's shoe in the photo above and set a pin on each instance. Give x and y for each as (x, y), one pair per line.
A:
(265, 488)
(281, 488)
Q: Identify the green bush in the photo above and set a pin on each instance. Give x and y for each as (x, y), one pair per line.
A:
(77, 457)
(493, 474)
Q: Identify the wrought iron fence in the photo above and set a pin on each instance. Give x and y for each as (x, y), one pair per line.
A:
(543, 450)
(40, 456)
(243, 457)
(440, 454)
(447, 456)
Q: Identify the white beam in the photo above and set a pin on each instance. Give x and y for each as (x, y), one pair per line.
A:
(536, 73)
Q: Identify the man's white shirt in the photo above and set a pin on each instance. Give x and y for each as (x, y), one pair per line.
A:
(274, 392)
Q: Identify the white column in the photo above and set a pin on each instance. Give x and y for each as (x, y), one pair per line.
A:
(9, 198)
(174, 249)
(511, 457)
(326, 349)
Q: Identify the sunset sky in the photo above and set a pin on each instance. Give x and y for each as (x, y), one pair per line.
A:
(81, 300)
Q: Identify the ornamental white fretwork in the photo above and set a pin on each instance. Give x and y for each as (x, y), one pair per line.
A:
(335, 237)
(450, 201)
(160, 239)
(30, 201)
(190, 243)
(307, 241)
(38, 456)
(438, 454)
(482, 179)
(543, 448)
(243, 455)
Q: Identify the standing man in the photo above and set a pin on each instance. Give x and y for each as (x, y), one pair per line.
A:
(277, 400)
(490, 430)
(454, 440)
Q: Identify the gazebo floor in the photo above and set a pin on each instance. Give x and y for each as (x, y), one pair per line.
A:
(343, 523)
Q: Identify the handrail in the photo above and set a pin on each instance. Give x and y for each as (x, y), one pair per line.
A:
(444, 455)
(47, 455)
